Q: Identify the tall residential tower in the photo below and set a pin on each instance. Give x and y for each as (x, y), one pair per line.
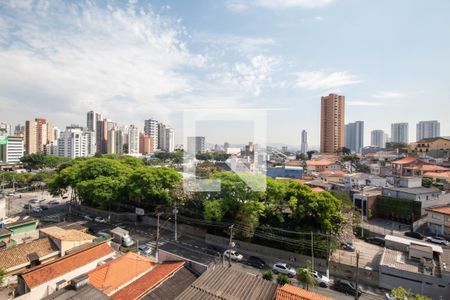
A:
(304, 145)
(427, 129)
(332, 123)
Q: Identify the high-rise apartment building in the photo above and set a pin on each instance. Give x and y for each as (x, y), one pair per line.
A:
(101, 133)
(354, 136)
(5, 129)
(162, 136)
(195, 144)
(332, 123)
(92, 119)
(38, 133)
(145, 144)
(73, 142)
(170, 139)
(399, 133)
(378, 138)
(11, 148)
(304, 144)
(133, 140)
(151, 128)
(428, 129)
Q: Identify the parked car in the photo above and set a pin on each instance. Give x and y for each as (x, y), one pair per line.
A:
(256, 262)
(284, 269)
(348, 246)
(36, 210)
(88, 218)
(103, 234)
(233, 254)
(34, 201)
(213, 250)
(322, 280)
(346, 287)
(27, 206)
(437, 240)
(100, 220)
(376, 241)
(10, 194)
(44, 207)
(145, 249)
(53, 202)
(415, 235)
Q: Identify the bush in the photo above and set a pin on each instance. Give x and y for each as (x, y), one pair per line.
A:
(268, 275)
(283, 279)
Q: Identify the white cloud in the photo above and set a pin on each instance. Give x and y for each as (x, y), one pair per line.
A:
(316, 80)
(389, 95)
(318, 18)
(364, 103)
(243, 5)
(63, 59)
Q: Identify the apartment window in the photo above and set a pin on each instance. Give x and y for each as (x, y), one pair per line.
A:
(435, 217)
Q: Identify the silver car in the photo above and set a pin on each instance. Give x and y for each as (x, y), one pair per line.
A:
(283, 268)
(437, 240)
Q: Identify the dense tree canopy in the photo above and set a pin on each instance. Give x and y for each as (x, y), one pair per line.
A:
(42, 160)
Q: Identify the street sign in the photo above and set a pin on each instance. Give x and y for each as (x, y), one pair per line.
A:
(139, 211)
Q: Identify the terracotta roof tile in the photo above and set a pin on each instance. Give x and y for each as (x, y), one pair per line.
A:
(65, 264)
(320, 163)
(406, 160)
(332, 172)
(441, 175)
(120, 272)
(147, 282)
(441, 209)
(317, 189)
(17, 255)
(290, 292)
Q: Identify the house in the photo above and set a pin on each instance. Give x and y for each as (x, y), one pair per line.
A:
(290, 292)
(23, 229)
(66, 239)
(160, 274)
(442, 179)
(438, 220)
(78, 289)
(357, 180)
(322, 165)
(45, 279)
(418, 266)
(435, 147)
(225, 283)
(120, 272)
(414, 166)
(366, 202)
(18, 259)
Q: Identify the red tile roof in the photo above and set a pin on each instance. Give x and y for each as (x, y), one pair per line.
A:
(290, 292)
(317, 189)
(294, 163)
(120, 272)
(320, 163)
(441, 210)
(143, 285)
(441, 175)
(40, 275)
(332, 172)
(406, 160)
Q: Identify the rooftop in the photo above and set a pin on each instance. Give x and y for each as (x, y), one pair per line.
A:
(172, 286)
(428, 140)
(47, 272)
(406, 160)
(85, 292)
(445, 210)
(414, 190)
(290, 292)
(118, 273)
(319, 163)
(398, 260)
(150, 280)
(67, 234)
(223, 283)
(440, 175)
(428, 168)
(18, 255)
(404, 241)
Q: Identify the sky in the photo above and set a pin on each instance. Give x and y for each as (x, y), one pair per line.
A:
(134, 60)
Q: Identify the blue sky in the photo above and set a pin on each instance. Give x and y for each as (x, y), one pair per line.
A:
(132, 61)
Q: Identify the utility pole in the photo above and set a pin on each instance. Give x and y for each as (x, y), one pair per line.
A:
(312, 251)
(230, 245)
(357, 275)
(157, 237)
(328, 255)
(175, 211)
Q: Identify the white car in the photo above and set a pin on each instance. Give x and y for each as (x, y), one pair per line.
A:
(37, 209)
(145, 249)
(322, 280)
(284, 269)
(34, 201)
(100, 220)
(88, 218)
(437, 240)
(233, 254)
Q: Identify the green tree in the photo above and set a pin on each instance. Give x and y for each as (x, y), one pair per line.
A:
(401, 293)
(2, 276)
(310, 154)
(395, 146)
(267, 275)
(305, 276)
(41, 160)
(283, 279)
(427, 182)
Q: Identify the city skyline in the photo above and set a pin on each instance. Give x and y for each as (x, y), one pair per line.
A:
(241, 56)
